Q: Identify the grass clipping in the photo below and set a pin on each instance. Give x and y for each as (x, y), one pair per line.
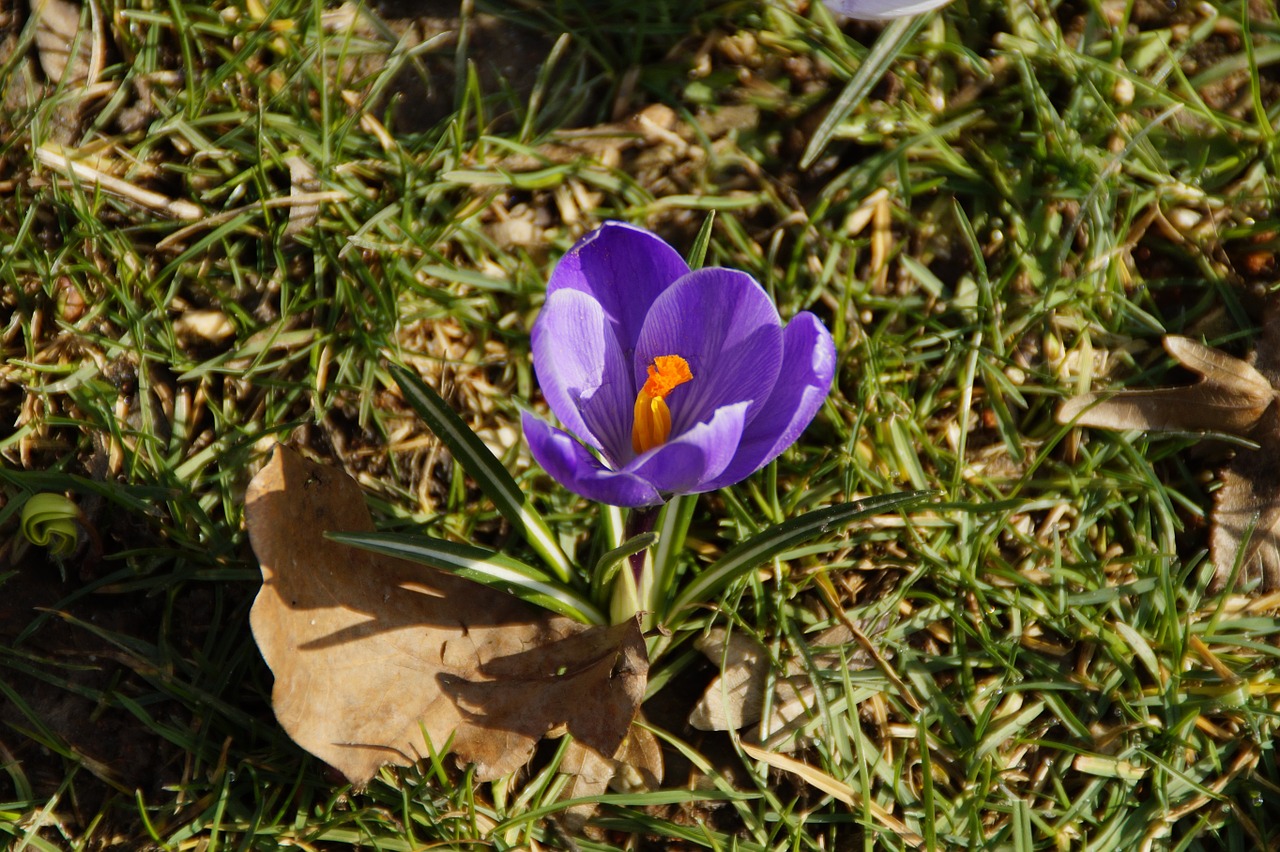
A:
(382, 661)
(1234, 398)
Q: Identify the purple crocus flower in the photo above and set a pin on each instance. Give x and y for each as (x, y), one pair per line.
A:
(680, 381)
(882, 10)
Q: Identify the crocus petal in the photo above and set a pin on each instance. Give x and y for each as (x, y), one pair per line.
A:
(698, 456)
(808, 365)
(573, 466)
(624, 268)
(883, 10)
(723, 323)
(584, 376)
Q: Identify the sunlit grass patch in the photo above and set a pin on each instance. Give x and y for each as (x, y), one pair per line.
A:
(259, 207)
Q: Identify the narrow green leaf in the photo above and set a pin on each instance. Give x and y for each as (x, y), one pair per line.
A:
(698, 254)
(613, 525)
(1008, 728)
(487, 567)
(882, 54)
(1140, 648)
(1020, 826)
(484, 467)
(673, 527)
(784, 536)
(638, 800)
(609, 562)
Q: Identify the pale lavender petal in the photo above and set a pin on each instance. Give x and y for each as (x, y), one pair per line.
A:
(723, 323)
(624, 268)
(583, 373)
(683, 465)
(883, 10)
(572, 465)
(808, 366)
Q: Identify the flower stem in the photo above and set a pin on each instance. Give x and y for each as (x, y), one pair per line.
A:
(646, 587)
(633, 588)
(640, 521)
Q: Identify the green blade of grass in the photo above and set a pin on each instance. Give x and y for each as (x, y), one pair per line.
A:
(634, 800)
(883, 54)
(673, 528)
(481, 566)
(477, 460)
(698, 254)
(784, 536)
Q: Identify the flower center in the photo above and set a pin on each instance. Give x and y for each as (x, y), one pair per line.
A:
(653, 418)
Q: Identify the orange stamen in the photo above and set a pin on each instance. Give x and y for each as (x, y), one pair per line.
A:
(666, 373)
(652, 417)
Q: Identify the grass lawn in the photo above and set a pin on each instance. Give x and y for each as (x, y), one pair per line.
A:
(221, 223)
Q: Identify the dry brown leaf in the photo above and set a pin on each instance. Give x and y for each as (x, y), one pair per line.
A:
(1248, 506)
(589, 683)
(371, 653)
(1248, 503)
(1234, 397)
(638, 765)
(590, 773)
(1230, 373)
(72, 58)
(1231, 398)
(736, 698)
(57, 33)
